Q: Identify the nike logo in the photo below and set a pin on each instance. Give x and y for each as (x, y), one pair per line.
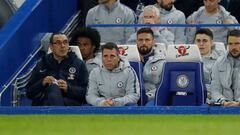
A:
(41, 71)
(100, 84)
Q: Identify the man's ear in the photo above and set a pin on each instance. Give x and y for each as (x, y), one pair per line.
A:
(50, 47)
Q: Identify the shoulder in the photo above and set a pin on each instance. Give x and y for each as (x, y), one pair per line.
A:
(222, 60)
(125, 9)
(75, 60)
(196, 13)
(95, 72)
(178, 12)
(94, 9)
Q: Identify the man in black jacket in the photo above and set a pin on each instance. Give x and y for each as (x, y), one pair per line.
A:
(60, 78)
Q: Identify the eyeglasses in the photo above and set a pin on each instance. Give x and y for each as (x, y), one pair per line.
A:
(65, 42)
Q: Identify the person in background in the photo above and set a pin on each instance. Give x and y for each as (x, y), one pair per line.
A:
(211, 13)
(225, 84)
(115, 83)
(60, 78)
(170, 15)
(112, 12)
(88, 40)
(151, 15)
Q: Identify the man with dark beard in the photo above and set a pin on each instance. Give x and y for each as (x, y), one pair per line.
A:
(225, 83)
(170, 15)
(152, 61)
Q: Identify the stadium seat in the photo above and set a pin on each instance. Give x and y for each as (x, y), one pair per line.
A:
(131, 53)
(182, 81)
(220, 47)
(161, 47)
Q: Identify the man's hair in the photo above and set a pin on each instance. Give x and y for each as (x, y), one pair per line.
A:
(52, 36)
(145, 30)
(89, 33)
(234, 33)
(110, 46)
(205, 31)
(152, 8)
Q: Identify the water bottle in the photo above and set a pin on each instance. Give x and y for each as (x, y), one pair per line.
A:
(139, 9)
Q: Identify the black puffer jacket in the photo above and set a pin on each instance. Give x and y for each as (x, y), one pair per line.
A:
(71, 69)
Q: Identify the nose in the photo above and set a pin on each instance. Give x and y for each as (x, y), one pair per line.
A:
(201, 43)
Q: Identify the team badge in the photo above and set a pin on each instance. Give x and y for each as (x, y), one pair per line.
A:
(120, 84)
(182, 81)
(219, 21)
(118, 20)
(122, 51)
(154, 68)
(72, 71)
(169, 21)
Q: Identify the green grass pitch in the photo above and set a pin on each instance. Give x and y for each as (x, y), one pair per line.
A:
(119, 124)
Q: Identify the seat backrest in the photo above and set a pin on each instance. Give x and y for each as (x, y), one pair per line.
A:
(182, 81)
(77, 51)
(183, 53)
(161, 47)
(130, 52)
(74, 49)
(220, 47)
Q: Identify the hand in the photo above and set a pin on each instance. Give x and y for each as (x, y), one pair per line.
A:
(230, 103)
(108, 102)
(229, 21)
(48, 80)
(63, 85)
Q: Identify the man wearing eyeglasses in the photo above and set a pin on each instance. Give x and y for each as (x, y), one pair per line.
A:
(60, 78)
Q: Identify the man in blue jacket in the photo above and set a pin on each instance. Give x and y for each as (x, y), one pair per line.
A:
(60, 78)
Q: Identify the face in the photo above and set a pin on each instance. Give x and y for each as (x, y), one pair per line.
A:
(204, 43)
(110, 59)
(166, 4)
(86, 47)
(234, 46)
(59, 46)
(211, 5)
(145, 42)
(150, 17)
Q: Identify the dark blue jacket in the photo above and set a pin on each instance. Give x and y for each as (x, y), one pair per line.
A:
(71, 69)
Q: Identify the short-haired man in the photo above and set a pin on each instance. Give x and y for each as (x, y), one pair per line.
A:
(225, 85)
(60, 78)
(209, 53)
(88, 41)
(152, 61)
(115, 83)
